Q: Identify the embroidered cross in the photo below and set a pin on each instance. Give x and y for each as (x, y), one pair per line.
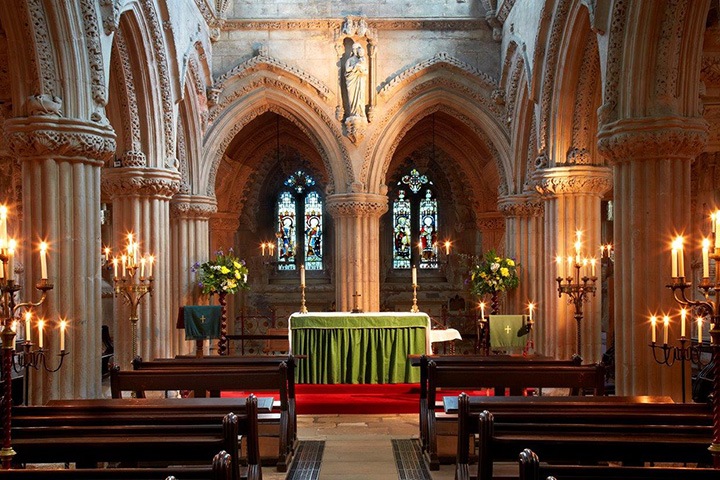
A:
(202, 319)
(507, 329)
(355, 305)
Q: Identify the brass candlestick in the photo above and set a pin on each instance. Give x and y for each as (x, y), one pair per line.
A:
(133, 293)
(303, 308)
(414, 308)
(577, 289)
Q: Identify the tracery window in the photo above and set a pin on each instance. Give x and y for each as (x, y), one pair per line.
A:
(415, 223)
(299, 201)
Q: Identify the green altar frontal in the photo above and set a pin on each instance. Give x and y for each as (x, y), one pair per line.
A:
(358, 347)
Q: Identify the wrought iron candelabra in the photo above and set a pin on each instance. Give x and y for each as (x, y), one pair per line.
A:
(29, 357)
(133, 292)
(577, 287)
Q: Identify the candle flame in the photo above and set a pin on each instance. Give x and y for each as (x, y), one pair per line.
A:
(666, 320)
(678, 243)
(28, 315)
(3, 212)
(43, 246)
(706, 243)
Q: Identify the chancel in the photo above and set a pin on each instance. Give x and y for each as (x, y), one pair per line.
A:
(369, 183)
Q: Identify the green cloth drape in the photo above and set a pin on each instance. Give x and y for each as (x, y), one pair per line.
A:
(504, 330)
(358, 348)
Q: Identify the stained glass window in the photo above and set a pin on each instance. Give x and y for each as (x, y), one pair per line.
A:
(299, 243)
(428, 223)
(313, 231)
(415, 223)
(402, 236)
(286, 232)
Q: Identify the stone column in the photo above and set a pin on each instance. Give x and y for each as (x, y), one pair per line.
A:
(572, 198)
(524, 243)
(357, 248)
(141, 205)
(190, 244)
(61, 160)
(651, 160)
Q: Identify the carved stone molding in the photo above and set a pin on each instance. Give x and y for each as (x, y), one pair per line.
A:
(67, 138)
(192, 207)
(94, 51)
(44, 105)
(521, 206)
(133, 159)
(491, 221)
(110, 11)
(458, 24)
(710, 70)
(356, 205)
(588, 180)
(142, 182)
(224, 221)
(652, 138)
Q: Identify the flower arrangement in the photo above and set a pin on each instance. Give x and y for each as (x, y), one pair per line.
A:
(226, 274)
(493, 274)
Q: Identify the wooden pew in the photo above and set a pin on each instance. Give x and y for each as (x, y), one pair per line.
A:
(475, 377)
(532, 469)
(250, 379)
(221, 469)
(89, 436)
(472, 360)
(600, 435)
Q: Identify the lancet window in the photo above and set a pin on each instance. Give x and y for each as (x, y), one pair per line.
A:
(299, 224)
(415, 223)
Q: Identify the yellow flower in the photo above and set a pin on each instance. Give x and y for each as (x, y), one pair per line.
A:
(231, 284)
(224, 270)
(497, 259)
(237, 274)
(504, 272)
(237, 264)
(510, 262)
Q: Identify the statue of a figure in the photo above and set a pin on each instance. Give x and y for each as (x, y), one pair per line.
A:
(356, 72)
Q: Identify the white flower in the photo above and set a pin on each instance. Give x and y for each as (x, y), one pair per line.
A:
(494, 267)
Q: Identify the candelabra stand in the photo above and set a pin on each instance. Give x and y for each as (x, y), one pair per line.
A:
(709, 308)
(26, 359)
(133, 293)
(414, 308)
(577, 289)
(303, 308)
(667, 355)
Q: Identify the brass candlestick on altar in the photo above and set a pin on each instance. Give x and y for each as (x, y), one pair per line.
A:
(133, 289)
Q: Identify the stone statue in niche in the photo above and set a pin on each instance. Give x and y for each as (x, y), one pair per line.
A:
(356, 74)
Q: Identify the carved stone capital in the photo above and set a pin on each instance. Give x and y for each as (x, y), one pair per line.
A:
(585, 179)
(41, 137)
(142, 182)
(192, 207)
(491, 221)
(521, 206)
(356, 205)
(653, 138)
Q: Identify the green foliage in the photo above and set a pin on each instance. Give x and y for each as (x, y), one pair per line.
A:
(493, 274)
(226, 274)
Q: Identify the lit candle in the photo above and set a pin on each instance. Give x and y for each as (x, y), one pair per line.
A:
(531, 306)
(124, 262)
(683, 316)
(653, 323)
(559, 262)
(585, 265)
(673, 259)
(302, 275)
(63, 325)
(712, 221)
(482, 310)
(28, 316)
(14, 326)
(43, 260)
(142, 267)
(681, 258)
(570, 266)
(107, 253)
(151, 262)
(666, 328)
(602, 251)
(115, 264)
(699, 328)
(716, 228)
(447, 248)
(3, 224)
(414, 275)
(592, 267)
(271, 246)
(262, 248)
(706, 257)
(420, 248)
(41, 324)
(2, 270)
(11, 259)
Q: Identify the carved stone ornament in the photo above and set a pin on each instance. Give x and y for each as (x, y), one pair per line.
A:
(145, 182)
(653, 138)
(134, 158)
(42, 105)
(49, 137)
(355, 128)
(225, 222)
(192, 207)
(356, 205)
(521, 206)
(589, 180)
(578, 156)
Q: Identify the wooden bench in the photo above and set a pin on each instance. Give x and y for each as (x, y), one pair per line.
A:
(472, 360)
(475, 377)
(532, 469)
(221, 469)
(600, 435)
(268, 378)
(87, 436)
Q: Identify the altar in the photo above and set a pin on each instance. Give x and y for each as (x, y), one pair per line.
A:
(358, 347)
